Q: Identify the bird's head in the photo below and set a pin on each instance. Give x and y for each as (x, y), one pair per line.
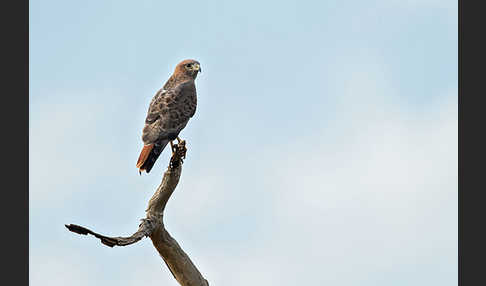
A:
(188, 68)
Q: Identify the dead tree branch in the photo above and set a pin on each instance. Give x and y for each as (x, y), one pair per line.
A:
(178, 262)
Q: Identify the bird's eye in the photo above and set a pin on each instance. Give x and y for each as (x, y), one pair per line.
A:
(188, 65)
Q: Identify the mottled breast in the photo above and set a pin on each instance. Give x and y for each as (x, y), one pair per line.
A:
(169, 112)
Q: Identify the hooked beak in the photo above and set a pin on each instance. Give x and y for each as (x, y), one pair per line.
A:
(197, 67)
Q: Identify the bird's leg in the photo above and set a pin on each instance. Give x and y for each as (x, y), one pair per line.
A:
(183, 143)
(171, 146)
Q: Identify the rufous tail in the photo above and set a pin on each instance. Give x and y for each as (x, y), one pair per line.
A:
(149, 155)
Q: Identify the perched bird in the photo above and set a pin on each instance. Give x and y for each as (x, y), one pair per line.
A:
(168, 113)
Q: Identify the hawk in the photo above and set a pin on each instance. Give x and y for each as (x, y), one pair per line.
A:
(168, 113)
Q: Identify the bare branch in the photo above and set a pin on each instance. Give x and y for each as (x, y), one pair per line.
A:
(145, 229)
(178, 262)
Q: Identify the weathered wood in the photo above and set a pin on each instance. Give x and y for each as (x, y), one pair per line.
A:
(178, 262)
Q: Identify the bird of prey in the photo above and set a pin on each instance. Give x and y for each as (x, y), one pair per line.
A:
(168, 113)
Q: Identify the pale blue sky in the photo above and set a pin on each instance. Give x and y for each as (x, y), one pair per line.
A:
(323, 150)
